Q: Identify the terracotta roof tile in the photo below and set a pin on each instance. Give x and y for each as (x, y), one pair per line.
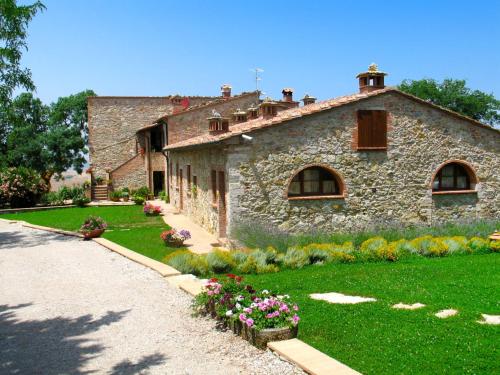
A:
(290, 114)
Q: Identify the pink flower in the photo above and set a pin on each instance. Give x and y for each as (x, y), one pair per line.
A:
(296, 308)
(295, 319)
(243, 317)
(247, 310)
(249, 322)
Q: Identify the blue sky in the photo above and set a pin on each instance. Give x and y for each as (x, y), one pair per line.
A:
(153, 47)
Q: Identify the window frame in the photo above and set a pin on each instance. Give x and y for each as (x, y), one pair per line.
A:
(325, 173)
(471, 179)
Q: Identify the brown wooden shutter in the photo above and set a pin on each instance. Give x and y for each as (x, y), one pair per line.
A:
(372, 129)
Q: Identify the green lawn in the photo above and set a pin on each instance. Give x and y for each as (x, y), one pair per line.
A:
(373, 338)
(127, 226)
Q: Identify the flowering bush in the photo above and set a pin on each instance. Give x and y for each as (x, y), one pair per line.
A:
(20, 187)
(174, 237)
(151, 210)
(93, 223)
(233, 301)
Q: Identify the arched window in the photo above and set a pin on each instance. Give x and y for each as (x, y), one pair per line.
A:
(454, 176)
(315, 181)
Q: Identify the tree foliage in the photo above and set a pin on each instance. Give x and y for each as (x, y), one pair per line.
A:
(455, 95)
(39, 138)
(14, 21)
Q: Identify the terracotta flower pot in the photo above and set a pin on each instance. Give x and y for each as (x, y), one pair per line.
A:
(262, 337)
(173, 243)
(93, 234)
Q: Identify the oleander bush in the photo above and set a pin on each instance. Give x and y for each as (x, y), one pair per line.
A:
(267, 260)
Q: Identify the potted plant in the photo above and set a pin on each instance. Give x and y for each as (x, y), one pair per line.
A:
(174, 238)
(138, 200)
(99, 180)
(125, 196)
(93, 227)
(151, 210)
(115, 196)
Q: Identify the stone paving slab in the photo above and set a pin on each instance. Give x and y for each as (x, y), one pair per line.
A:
(309, 359)
(159, 267)
(193, 287)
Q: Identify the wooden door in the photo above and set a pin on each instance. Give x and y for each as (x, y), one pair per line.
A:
(181, 191)
(222, 204)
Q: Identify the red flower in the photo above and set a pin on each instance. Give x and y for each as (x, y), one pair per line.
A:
(214, 280)
(238, 279)
(231, 276)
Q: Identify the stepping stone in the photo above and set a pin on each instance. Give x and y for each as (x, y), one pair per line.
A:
(490, 319)
(340, 298)
(403, 306)
(443, 314)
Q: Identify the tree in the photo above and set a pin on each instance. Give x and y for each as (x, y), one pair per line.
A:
(72, 111)
(34, 140)
(455, 95)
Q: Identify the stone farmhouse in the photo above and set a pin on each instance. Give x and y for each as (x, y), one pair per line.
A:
(376, 157)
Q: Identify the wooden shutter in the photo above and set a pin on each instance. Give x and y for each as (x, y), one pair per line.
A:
(372, 129)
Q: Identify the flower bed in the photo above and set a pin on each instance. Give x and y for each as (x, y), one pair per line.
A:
(93, 227)
(258, 316)
(268, 260)
(151, 210)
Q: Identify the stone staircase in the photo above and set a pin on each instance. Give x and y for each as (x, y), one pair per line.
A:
(100, 193)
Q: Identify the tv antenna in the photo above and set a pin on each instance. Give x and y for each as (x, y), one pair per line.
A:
(258, 78)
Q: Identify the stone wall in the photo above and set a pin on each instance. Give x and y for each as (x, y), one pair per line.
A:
(194, 122)
(131, 174)
(382, 187)
(197, 203)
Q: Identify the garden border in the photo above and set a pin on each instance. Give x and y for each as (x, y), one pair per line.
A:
(32, 209)
(302, 355)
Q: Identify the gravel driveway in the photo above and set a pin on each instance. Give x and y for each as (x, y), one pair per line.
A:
(73, 307)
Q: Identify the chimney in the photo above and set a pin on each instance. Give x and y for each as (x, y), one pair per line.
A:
(252, 112)
(307, 99)
(268, 108)
(217, 124)
(239, 116)
(371, 80)
(287, 94)
(226, 91)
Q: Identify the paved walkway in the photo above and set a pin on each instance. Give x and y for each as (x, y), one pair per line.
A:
(69, 306)
(201, 241)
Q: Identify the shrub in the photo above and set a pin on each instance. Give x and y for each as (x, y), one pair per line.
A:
(456, 244)
(430, 246)
(143, 192)
(220, 261)
(478, 245)
(67, 193)
(295, 258)
(81, 201)
(138, 200)
(182, 262)
(51, 198)
(239, 256)
(495, 246)
(20, 187)
(162, 194)
(115, 195)
(377, 248)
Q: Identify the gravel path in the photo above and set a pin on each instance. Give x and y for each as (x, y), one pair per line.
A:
(73, 307)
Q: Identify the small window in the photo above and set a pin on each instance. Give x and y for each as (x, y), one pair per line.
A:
(188, 175)
(156, 139)
(214, 186)
(194, 188)
(314, 181)
(452, 176)
(372, 130)
(177, 174)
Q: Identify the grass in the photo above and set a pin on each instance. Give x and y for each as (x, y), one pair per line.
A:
(373, 338)
(127, 226)
(253, 235)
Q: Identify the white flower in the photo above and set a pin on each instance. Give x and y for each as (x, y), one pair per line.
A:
(240, 298)
(238, 306)
(265, 291)
(229, 313)
(253, 305)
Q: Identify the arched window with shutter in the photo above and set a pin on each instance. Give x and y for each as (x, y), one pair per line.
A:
(316, 181)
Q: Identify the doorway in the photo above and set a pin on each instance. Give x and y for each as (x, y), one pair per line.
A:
(158, 182)
(222, 204)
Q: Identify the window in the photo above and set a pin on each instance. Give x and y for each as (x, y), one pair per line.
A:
(453, 176)
(315, 181)
(177, 174)
(214, 186)
(195, 186)
(372, 130)
(188, 176)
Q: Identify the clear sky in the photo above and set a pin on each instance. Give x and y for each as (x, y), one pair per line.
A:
(153, 47)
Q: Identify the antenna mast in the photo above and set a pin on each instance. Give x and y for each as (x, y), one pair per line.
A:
(257, 72)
